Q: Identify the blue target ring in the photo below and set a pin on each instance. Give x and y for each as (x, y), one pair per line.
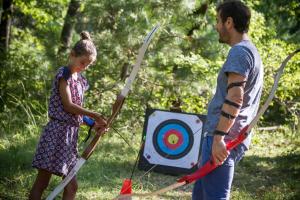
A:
(180, 128)
(160, 139)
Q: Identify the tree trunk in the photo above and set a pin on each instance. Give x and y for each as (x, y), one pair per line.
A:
(5, 24)
(70, 20)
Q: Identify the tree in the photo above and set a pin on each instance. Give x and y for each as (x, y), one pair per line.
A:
(5, 24)
(70, 21)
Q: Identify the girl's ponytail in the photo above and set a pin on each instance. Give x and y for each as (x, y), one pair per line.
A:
(84, 35)
(85, 46)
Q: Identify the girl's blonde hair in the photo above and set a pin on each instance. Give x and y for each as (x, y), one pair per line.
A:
(85, 46)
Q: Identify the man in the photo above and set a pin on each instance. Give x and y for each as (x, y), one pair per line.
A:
(234, 104)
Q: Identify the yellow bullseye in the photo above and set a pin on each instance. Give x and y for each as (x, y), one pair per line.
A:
(173, 139)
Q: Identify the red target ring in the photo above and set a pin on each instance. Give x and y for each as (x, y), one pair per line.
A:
(173, 139)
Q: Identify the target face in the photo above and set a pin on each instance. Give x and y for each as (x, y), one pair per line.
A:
(173, 139)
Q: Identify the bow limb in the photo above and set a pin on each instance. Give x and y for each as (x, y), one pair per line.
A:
(210, 165)
(121, 97)
(115, 110)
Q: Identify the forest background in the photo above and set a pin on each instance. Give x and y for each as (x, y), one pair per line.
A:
(180, 66)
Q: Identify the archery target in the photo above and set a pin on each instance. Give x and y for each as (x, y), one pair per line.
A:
(172, 139)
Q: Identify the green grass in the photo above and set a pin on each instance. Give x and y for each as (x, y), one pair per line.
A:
(270, 169)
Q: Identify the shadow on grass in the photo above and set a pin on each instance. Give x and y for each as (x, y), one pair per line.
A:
(269, 178)
(112, 162)
(16, 173)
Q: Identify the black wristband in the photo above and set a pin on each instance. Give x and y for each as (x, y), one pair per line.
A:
(236, 84)
(217, 132)
(231, 103)
(227, 115)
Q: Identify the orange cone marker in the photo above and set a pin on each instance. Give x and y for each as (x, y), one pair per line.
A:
(126, 188)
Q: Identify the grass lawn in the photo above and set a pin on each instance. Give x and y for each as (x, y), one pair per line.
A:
(270, 170)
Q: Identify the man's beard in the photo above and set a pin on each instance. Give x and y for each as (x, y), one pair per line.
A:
(221, 41)
(222, 35)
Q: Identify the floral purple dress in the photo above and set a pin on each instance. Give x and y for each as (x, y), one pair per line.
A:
(57, 149)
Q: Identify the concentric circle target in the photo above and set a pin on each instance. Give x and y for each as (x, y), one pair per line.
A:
(173, 139)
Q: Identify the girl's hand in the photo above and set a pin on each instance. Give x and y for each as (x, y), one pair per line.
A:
(100, 127)
(100, 120)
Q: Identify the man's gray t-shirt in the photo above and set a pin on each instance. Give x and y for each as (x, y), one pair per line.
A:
(244, 59)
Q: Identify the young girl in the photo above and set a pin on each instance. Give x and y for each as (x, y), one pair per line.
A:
(57, 149)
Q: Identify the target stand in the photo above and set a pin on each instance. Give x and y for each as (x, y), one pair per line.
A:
(171, 142)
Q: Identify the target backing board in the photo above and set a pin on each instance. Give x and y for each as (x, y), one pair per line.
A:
(171, 141)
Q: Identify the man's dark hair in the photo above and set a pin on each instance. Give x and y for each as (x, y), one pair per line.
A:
(238, 11)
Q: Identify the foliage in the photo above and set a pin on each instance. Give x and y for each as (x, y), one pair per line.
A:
(181, 63)
(283, 15)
